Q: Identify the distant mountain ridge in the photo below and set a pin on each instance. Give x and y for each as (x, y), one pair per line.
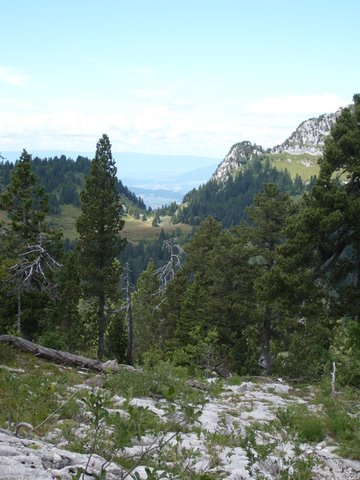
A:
(307, 139)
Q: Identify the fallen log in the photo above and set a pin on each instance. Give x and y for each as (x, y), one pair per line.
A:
(58, 356)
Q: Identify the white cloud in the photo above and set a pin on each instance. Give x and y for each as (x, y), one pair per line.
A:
(296, 104)
(12, 77)
(158, 126)
(58, 129)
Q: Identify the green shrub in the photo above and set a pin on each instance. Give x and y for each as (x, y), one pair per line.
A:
(147, 382)
(346, 352)
(308, 427)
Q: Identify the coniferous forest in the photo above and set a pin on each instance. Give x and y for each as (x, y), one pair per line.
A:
(268, 283)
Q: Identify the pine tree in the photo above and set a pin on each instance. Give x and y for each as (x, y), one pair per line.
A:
(325, 235)
(338, 195)
(32, 240)
(24, 200)
(268, 216)
(99, 227)
(323, 251)
(145, 312)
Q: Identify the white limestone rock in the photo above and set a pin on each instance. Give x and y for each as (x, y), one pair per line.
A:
(36, 460)
(239, 155)
(309, 137)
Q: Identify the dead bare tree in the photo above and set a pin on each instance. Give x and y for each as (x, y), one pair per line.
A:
(31, 272)
(167, 272)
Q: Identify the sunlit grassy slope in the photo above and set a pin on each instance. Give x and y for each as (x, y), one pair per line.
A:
(134, 230)
(304, 165)
(66, 221)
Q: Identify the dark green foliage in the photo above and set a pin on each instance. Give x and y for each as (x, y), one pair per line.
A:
(99, 227)
(63, 179)
(308, 427)
(138, 255)
(319, 265)
(61, 329)
(324, 236)
(283, 281)
(116, 340)
(193, 312)
(268, 216)
(145, 300)
(226, 203)
(211, 294)
(345, 349)
(24, 201)
(156, 221)
(28, 246)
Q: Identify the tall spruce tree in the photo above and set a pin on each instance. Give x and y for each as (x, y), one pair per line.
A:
(99, 229)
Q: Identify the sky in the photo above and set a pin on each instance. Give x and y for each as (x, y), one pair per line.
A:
(177, 77)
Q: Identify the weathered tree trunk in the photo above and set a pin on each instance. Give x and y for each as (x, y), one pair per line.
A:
(265, 359)
(101, 326)
(56, 356)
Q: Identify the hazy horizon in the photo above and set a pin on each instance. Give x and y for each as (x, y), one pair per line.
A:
(175, 78)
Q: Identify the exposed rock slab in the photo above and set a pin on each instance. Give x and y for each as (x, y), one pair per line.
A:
(37, 460)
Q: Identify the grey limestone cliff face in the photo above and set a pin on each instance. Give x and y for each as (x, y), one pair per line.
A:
(309, 137)
(239, 155)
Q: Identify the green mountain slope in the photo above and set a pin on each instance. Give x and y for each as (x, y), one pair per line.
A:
(293, 166)
(304, 165)
(63, 180)
(226, 201)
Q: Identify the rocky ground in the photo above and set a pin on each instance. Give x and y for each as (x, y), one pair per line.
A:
(234, 432)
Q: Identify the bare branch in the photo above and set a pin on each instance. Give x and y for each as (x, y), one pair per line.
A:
(167, 272)
(32, 267)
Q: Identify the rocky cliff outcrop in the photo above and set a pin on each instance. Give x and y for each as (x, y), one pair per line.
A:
(239, 155)
(309, 136)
